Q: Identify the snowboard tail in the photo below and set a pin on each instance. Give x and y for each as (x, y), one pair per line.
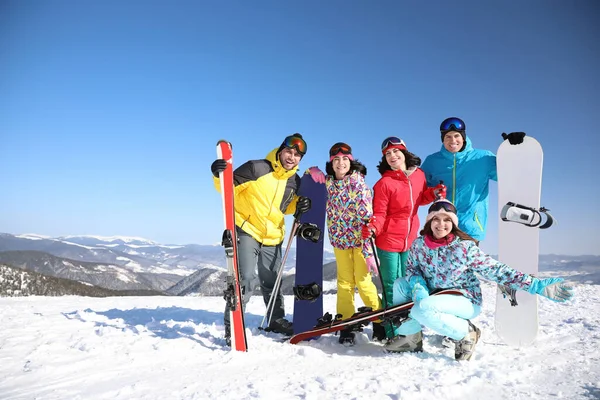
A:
(233, 292)
(329, 324)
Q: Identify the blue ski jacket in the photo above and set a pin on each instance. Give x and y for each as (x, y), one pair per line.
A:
(466, 175)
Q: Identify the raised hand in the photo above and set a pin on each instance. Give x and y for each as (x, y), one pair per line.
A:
(218, 166)
(553, 288)
(514, 137)
(440, 191)
(316, 174)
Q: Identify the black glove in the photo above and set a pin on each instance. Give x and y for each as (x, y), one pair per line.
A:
(303, 205)
(217, 166)
(514, 137)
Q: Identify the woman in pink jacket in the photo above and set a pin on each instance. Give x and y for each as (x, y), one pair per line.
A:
(395, 222)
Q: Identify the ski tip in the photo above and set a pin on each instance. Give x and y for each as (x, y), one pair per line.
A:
(223, 141)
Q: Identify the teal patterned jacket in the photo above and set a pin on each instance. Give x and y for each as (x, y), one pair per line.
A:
(456, 266)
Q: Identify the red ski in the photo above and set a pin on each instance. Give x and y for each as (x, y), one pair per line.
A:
(233, 293)
(328, 325)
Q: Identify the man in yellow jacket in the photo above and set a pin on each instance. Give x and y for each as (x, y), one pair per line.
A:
(265, 190)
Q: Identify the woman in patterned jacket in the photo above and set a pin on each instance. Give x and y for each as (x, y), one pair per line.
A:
(348, 205)
(445, 257)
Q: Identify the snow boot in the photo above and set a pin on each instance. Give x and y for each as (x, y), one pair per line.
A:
(346, 337)
(403, 343)
(378, 332)
(283, 326)
(448, 342)
(466, 346)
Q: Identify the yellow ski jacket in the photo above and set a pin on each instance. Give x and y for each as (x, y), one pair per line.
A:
(264, 193)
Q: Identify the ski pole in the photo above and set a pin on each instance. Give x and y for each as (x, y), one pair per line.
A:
(374, 249)
(372, 240)
(271, 304)
(378, 265)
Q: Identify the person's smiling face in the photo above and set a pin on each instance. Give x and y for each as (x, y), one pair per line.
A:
(341, 166)
(395, 158)
(289, 158)
(441, 225)
(453, 141)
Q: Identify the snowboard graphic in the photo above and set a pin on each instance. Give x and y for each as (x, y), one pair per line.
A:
(519, 181)
(328, 325)
(309, 255)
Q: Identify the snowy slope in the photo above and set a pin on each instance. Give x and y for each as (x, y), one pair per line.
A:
(172, 348)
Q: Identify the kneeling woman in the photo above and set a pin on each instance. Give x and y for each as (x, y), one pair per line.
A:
(444, 257)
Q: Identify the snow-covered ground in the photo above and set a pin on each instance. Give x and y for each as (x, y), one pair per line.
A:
(173, 348)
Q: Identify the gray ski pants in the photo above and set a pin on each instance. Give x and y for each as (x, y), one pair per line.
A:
(253, 256)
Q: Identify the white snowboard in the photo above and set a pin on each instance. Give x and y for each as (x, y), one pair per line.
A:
(519, 181)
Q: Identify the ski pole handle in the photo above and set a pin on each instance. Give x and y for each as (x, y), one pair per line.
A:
(438, 196)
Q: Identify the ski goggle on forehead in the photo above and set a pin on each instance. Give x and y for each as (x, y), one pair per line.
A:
(442, 205)
(340, 148)
(452, 124)
(294, 142)
(392, 141)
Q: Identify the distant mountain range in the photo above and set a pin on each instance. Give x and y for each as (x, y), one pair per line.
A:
(16, 282)
(124, 265)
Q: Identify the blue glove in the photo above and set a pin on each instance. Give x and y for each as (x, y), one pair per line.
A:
(419, 292)
(553, 288)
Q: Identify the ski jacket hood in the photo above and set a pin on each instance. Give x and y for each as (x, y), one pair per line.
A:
(456, 266)
(396, 200)
(466, 175)
(264, 192)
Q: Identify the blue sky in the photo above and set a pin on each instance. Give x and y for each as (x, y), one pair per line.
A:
(110, 110)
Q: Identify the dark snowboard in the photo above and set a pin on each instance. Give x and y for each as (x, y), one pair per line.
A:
(309, 255)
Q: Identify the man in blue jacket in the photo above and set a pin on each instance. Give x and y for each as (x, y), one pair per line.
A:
(466, 172)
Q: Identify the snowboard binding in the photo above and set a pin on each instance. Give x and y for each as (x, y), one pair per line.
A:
(229, 293)
(509, 293)
(327, 319)
(309, 292)
(310, 232)
(528, 216)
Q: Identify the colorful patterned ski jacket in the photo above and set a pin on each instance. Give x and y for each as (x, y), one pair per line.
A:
(264, 192)
(348, 206)
(455, 266)
(396, 200)
(466, 175)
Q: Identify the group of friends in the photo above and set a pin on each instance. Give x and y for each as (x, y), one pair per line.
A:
(412, 264)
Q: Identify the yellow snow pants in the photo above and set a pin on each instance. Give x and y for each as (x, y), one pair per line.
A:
(352, 273)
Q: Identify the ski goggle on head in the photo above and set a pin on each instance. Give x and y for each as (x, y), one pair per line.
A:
(444, 205)
(295, 142)
(392, 141)
(340, 148)
(453, 124)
